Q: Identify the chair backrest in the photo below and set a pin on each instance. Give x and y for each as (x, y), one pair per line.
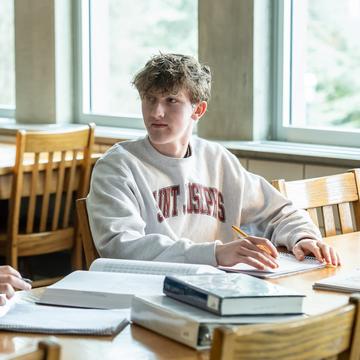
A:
(49, 167)
(318, 337)
(326, 193)
(87, 240)
(47, 350)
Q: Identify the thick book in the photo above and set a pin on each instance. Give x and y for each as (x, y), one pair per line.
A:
(187, 324)
(233, 294)
(111, 283)
(288, 265)
(344, 282)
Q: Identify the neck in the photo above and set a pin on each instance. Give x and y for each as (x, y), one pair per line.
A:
(171, 150)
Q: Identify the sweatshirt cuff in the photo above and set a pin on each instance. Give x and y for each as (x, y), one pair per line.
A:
(303, 235)
(203, 253)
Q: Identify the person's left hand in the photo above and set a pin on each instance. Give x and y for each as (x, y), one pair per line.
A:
(317, 248)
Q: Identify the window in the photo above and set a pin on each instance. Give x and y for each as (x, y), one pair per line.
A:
(7, 69)
(319, 67)
(118, 37)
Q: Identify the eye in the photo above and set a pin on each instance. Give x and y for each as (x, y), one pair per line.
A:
(172, 100)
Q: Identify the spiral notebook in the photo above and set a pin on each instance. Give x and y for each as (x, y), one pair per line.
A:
(288, 265)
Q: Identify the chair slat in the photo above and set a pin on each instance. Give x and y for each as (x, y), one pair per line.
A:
(46, 195)
(32, 199)
(59, 192)
(313, 214)
(329, 223)
(70, 187)
(341, 191)
(345, 218)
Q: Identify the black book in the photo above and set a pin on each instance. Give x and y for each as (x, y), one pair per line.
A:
(233, 294)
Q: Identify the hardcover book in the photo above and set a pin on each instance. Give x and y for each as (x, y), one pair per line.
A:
(233, 294)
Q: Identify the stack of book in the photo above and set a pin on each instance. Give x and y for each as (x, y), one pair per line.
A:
(195, 304)
(181, 301)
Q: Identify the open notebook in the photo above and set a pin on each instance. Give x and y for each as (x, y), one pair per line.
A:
(288, 265)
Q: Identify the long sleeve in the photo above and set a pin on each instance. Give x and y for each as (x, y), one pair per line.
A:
(115, 206)
(269, 214)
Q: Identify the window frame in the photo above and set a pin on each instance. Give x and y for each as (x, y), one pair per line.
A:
(83, 77)
(282, 90)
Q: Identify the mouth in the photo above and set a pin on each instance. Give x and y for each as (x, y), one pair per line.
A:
(158, 126)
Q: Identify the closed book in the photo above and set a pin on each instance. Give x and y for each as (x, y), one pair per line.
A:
(187, 324)
(233, 294)
(345, 282)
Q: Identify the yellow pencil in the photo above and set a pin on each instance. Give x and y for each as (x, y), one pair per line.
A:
(239, 231)
(245, 235)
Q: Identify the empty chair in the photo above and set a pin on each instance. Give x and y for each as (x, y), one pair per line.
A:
(52, 169)
(326, 193)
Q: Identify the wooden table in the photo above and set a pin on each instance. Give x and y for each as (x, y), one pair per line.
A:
(135, 342)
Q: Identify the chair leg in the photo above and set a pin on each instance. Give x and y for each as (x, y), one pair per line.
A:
(77, 252)
(12, 258)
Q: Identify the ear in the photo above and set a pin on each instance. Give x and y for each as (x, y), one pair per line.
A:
(199, 110)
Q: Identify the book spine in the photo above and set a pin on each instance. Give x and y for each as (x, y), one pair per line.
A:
(180, 291)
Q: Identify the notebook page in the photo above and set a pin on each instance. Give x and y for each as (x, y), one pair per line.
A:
(27, 317)
(150, 267)
(287, 264)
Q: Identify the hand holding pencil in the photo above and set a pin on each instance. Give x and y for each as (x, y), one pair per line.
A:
(255, 251)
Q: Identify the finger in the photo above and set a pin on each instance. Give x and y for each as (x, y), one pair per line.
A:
(325, 251)
(252, 262)
(7, 290)
(2, 299)
(338, 259)
(14, 281)
(265, 259)
(265, 245)
(333, 256)
(298, 252)
(6, 269)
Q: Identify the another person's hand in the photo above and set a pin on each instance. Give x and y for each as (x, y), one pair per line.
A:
(317, 248)
(247, 251)
(10, 279)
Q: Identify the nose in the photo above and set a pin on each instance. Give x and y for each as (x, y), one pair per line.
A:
(157, 110)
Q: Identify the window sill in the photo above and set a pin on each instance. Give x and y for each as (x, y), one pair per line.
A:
(264, 150)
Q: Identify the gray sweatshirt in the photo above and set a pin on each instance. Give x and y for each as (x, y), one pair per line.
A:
(147, 206)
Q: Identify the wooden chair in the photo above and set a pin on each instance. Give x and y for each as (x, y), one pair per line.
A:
(55, 175)
(318, 337)
(87, 240)
(327, 192)
(47, 350)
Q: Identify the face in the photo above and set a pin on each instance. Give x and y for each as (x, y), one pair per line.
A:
(169, 120)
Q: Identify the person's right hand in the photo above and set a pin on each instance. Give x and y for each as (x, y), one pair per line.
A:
(9, 280)
(247, 251)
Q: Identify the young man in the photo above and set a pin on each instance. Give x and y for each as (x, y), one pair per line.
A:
(174, 197)
(9, 280)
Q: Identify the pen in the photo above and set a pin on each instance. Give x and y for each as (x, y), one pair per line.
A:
(245, 235)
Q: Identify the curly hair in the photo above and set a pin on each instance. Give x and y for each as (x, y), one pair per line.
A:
(170, 73)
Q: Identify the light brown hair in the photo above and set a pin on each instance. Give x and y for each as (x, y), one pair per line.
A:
(170, 73)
